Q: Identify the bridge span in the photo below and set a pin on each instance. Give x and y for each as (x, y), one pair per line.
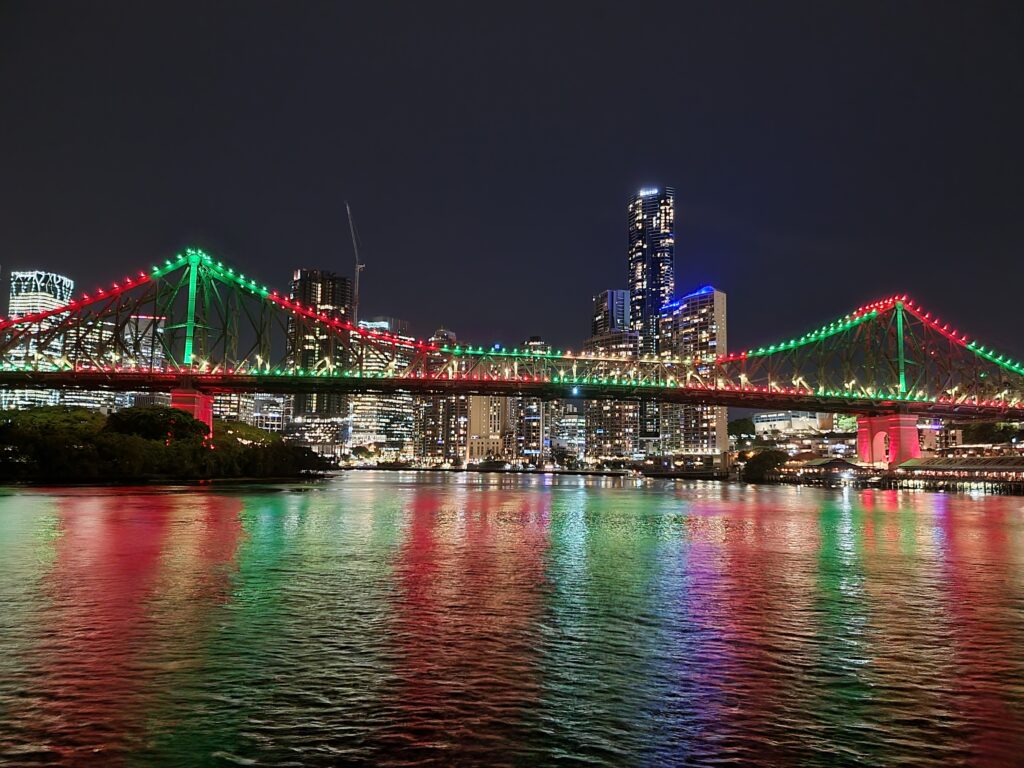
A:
(195, 327)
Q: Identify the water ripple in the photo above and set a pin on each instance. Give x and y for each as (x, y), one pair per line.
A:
(400, 620)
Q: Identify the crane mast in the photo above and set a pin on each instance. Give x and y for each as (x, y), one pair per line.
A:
(359, 266)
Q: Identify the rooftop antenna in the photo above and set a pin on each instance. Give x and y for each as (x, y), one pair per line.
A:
(359, 266)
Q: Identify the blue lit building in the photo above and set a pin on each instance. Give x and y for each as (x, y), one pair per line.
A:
(694, 326)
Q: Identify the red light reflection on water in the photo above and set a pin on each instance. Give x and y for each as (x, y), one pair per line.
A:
(982, 585)
(117, 553)
(465, 621)
(744, 560)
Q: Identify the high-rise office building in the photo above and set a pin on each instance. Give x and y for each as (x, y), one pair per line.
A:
(569, 434)
(651, 259)
(141, 345)
(533, 418)
(384, 422)
(694, 327)
(233, 406)
(271, 412)
(311, 347)
(652, 280)
(144, 337)
(36, 291)
(442, 421)
(97, 346)
(491, 432)
(612, 426)
(144, 343)
(611, 312)
(395, 325)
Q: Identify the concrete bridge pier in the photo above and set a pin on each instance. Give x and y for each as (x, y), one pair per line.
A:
(890, 439)
(198, 404)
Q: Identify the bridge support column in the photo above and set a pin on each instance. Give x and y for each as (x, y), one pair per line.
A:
(198, 404)
(890, 440)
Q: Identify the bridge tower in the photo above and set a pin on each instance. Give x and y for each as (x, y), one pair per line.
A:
(890, 439)
(198, 404)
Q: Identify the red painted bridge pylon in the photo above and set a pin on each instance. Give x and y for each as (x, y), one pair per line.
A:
(197, 404)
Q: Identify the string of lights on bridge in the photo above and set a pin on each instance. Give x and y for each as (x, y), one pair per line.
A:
(860, 315)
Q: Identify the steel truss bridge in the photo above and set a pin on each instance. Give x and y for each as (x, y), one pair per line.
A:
(195, 325)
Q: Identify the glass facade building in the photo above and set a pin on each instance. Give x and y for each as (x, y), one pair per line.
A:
(652, 280)
(533, 418)
(611, 312)
(384, 422)
(650, 222)
(36, 291)
(310, 346)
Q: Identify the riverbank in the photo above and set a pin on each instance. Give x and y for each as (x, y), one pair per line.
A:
(894, 481)
(163, 483)
(495, 470)
(889, 480)
(142, 446)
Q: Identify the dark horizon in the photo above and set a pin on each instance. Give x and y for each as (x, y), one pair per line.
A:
(822, 157)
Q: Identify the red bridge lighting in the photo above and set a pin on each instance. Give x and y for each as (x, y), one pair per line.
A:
(746, 377)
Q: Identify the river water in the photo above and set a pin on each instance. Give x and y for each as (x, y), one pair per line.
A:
(403, 619)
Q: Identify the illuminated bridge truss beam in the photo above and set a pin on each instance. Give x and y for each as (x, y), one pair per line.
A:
(195, 322)
(889, 351)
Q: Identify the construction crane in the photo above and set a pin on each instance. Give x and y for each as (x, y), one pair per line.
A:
(359, 266)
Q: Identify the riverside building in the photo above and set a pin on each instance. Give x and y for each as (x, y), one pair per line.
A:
(694, 327)
(612, 426)
(442, 421)
(491, 431)
(533, 418)
(384, 422)
(311, 346)
(320, 421)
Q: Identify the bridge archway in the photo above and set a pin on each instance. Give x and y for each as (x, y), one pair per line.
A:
(880, 445)
(889, 440)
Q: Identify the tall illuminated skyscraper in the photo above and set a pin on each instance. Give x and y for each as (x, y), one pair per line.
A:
(652, 279)
(650, 220)
(310, 346)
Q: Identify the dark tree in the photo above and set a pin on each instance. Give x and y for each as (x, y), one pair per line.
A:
(763, 463)
(156, 422)
(739, 427)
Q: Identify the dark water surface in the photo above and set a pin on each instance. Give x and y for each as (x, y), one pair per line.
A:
(393, 619)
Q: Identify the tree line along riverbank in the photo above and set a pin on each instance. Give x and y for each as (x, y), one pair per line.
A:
(145, 444)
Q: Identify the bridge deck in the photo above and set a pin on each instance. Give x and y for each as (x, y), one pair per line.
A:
(222, 383)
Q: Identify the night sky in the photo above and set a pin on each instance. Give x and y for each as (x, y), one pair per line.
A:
(822, 156)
